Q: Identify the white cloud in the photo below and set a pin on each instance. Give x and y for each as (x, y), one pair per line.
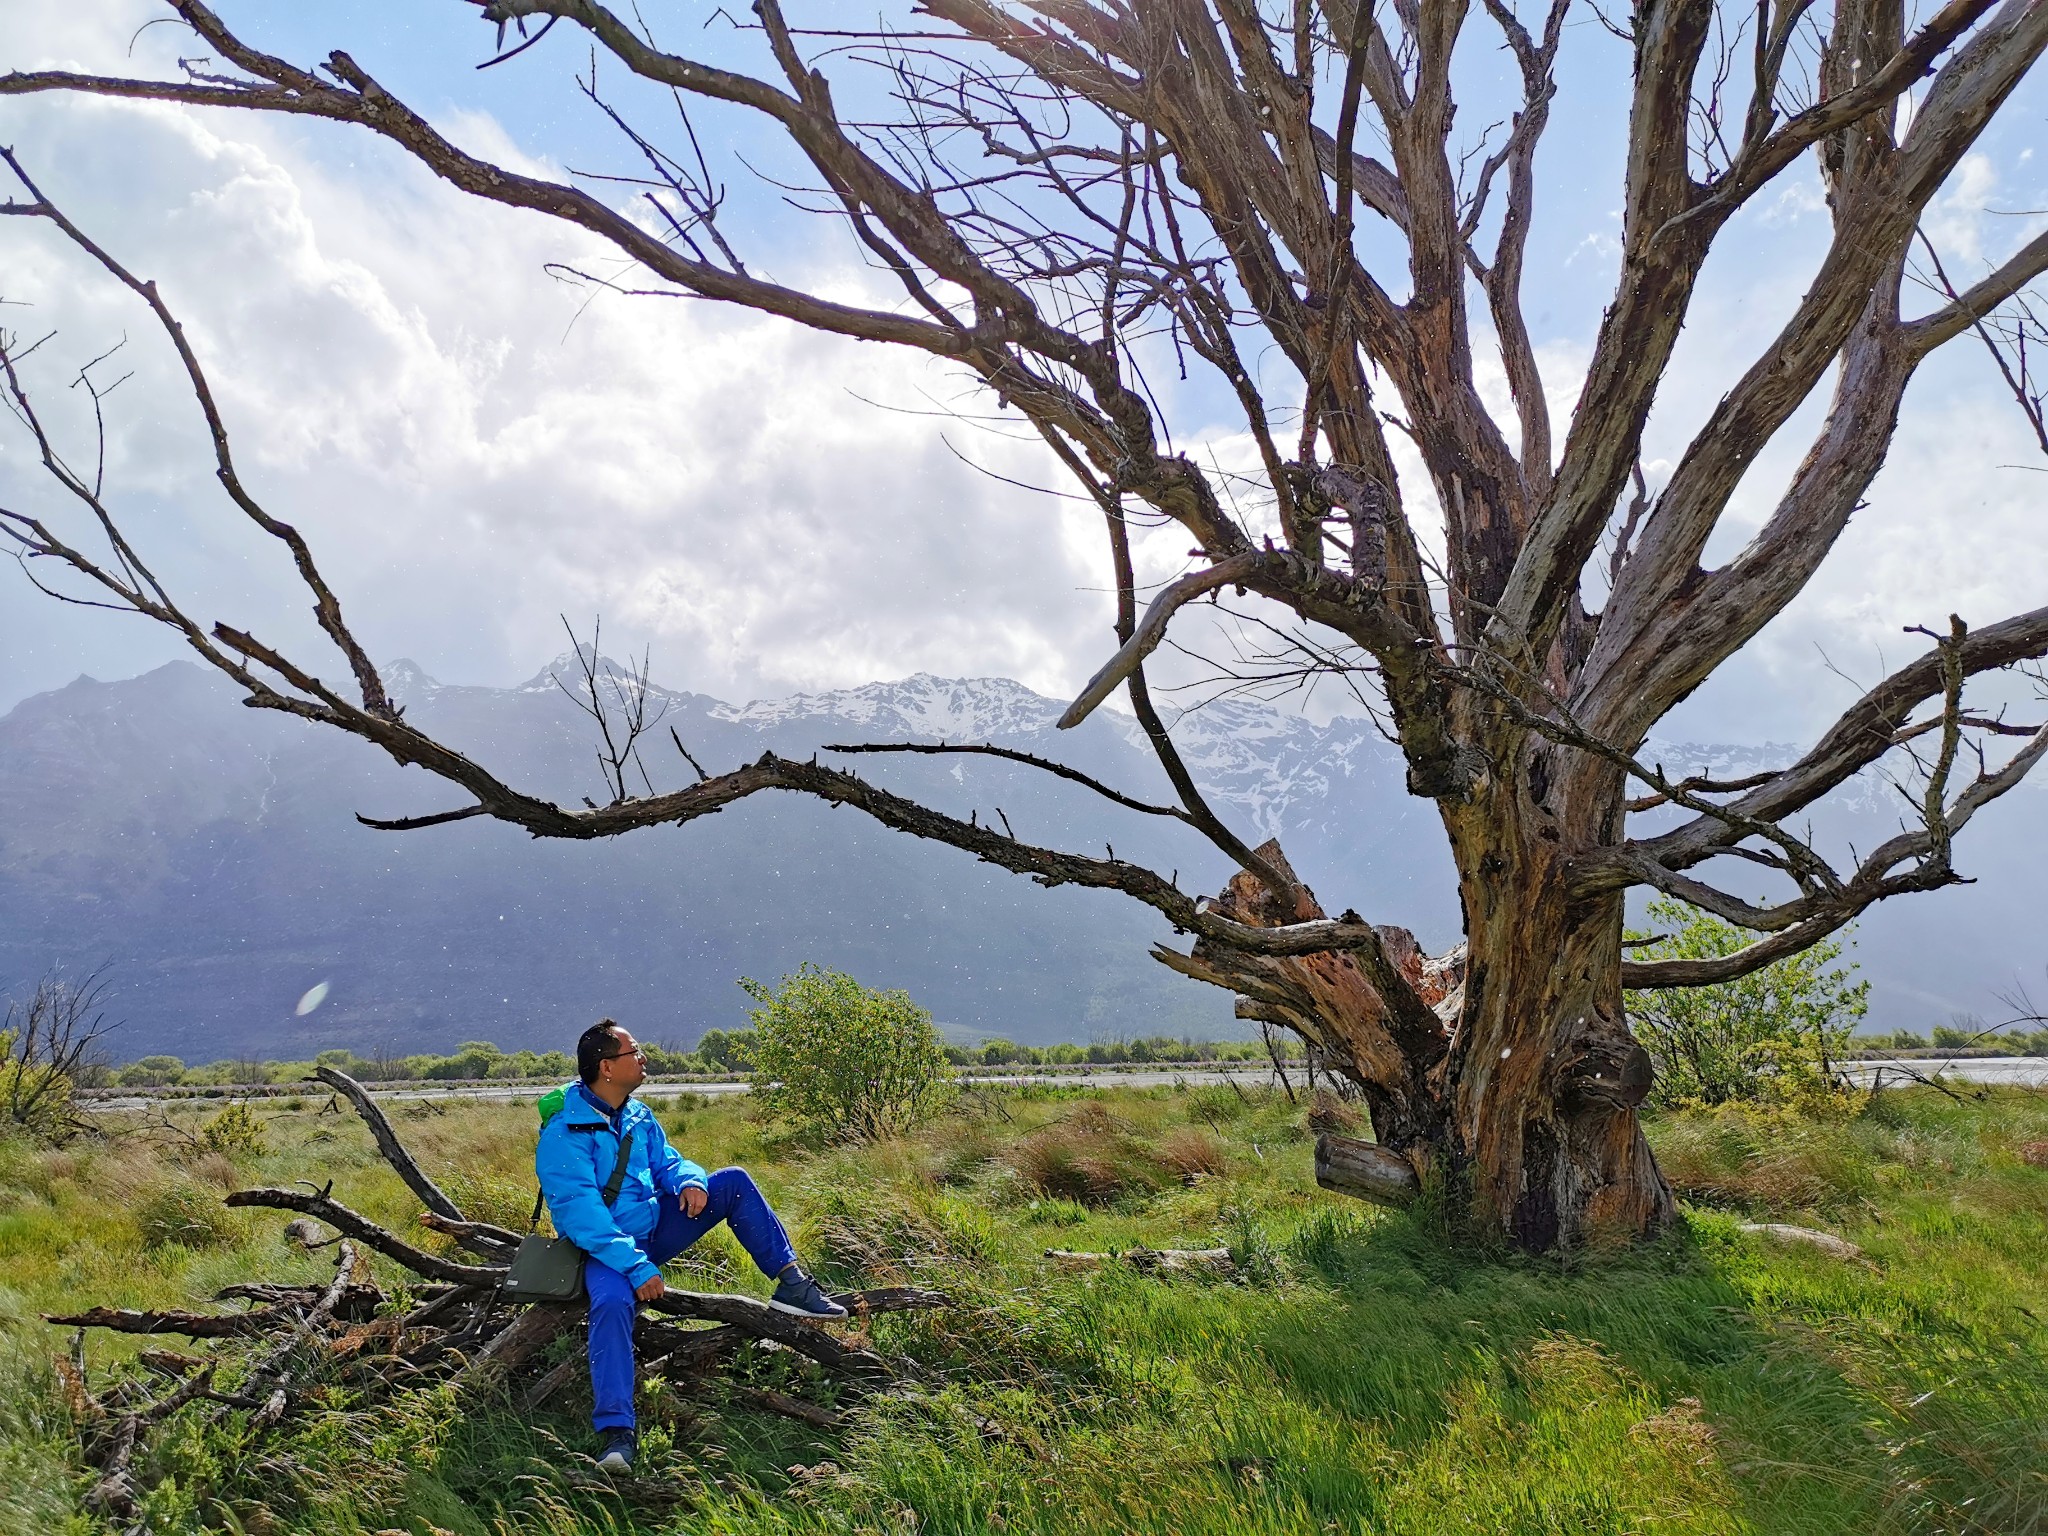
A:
(472, 450)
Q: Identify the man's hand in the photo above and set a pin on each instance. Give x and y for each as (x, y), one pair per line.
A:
(693, 1201)
(653, 1290)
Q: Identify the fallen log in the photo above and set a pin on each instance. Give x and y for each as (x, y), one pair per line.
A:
(761, 1321)
(479, 1237)
(764, 1398)
(358, 1226)
(358, 1304)
(519, 1341)
(892, 1298)
(1825, 1242)
(271, 1373)
(1365, 1170)
(445, 1300)
(193, 1325)
(1150, 1261)
(389, 1145)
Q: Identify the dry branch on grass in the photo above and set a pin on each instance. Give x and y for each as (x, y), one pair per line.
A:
(1150, 1261)
(456, 1327)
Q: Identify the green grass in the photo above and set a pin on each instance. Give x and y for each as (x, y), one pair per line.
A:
(1377, 1377)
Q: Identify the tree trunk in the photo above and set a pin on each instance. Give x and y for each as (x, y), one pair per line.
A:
(1544, 1079)
(1517, 1082)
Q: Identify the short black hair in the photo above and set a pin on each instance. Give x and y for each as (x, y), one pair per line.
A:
(598, 1043)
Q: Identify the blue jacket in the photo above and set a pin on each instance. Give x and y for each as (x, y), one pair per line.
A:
(577, 1152)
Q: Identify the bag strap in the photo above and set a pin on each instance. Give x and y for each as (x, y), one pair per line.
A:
(612, 1186)
(617, 1181)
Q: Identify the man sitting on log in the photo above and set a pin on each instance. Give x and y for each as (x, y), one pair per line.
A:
(664, 1205)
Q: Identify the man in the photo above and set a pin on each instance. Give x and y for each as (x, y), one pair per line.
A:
(664, 1204)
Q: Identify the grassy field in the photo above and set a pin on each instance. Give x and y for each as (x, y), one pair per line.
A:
(1367, 1371)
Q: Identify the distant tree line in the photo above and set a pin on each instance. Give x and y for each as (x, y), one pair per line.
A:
(1963, 1035)
(720, 1052)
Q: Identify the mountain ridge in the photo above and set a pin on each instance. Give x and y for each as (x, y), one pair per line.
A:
(211, 852)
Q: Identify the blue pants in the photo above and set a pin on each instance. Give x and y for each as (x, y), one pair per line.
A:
(733, 1198)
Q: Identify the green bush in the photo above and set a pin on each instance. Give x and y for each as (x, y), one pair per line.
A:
(844, 1060)
(723, 1050)
(1772, 1035)
(235, 1132)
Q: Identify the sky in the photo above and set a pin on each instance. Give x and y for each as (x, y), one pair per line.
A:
(478, 449)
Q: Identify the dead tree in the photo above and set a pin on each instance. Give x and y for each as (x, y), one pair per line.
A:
(50, 1046)
(282, 1354)
(1071, 194)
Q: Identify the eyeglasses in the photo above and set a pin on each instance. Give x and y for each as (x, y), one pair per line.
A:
(616, 1055)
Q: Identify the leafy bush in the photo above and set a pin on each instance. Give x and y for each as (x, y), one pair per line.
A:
(724, 1050)
(1772, 1035)
(234, 1132)
(844, 1060)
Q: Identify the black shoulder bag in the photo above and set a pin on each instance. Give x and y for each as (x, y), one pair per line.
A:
(551, 1268)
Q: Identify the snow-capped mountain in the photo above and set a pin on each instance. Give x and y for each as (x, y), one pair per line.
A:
(211, 852)
(965, 709)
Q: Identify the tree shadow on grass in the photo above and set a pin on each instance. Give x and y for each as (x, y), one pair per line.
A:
(1419, 1338)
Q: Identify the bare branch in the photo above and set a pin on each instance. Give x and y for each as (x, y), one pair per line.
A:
(1151, 630)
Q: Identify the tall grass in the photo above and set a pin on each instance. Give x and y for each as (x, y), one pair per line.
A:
(1364, 1375)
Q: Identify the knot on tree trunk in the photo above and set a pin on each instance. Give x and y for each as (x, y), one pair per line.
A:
(1610, 1070)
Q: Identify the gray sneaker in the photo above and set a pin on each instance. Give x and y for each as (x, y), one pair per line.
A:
(800, 1296)
(617, 1452)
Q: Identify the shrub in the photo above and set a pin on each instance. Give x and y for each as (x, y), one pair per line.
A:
(186, 1215)
(1771, 1035)
(1251, 1248)
(726, 1050)
(844, 1060)
(1087, 1159)
(234, 1132)
(1192, 1153)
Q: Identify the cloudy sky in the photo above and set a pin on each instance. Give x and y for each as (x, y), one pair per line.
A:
(476, 448)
